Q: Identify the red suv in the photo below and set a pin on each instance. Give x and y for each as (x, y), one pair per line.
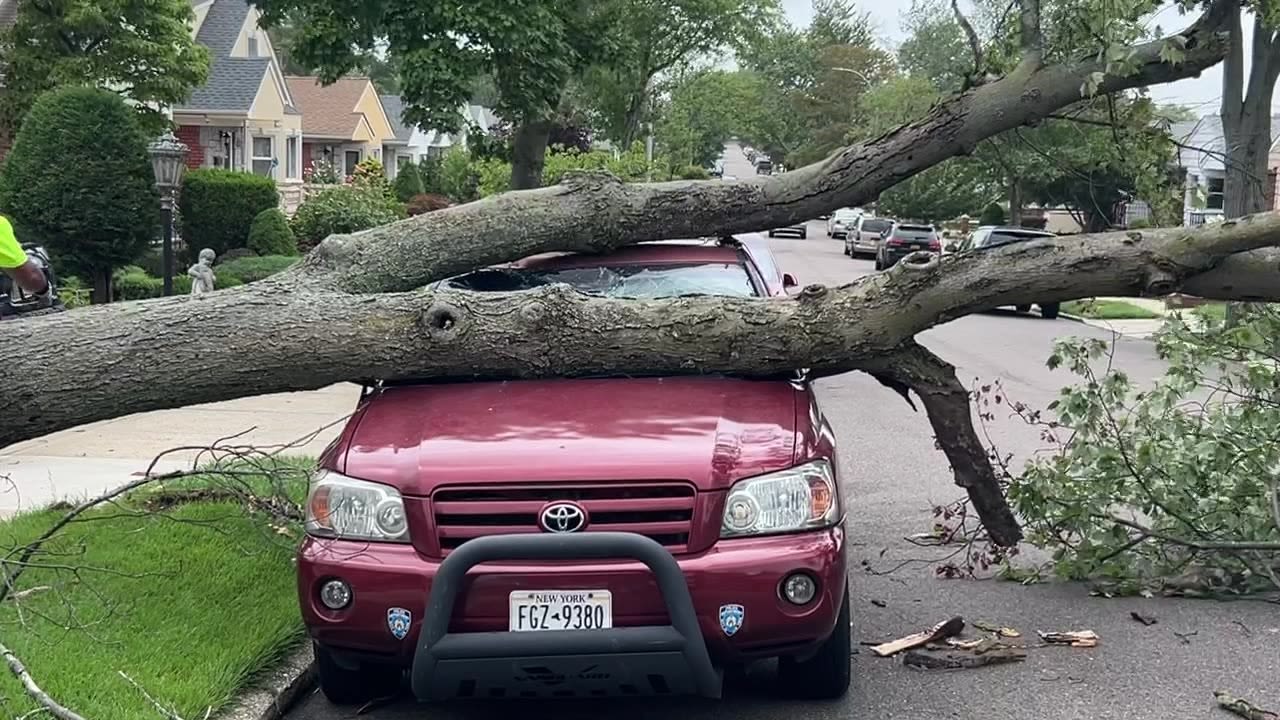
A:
(582, 537)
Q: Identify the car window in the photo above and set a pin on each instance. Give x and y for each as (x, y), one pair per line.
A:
(914, 231)
(763, 259)
(845, 215)
(875, 225)
(641, 281)
(1004, 237)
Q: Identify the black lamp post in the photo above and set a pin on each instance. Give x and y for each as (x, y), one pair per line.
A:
(168, 161)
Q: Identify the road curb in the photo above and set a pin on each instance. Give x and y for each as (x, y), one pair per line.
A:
(277, 689)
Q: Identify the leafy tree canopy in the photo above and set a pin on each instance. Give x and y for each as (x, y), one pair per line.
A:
(141, 48)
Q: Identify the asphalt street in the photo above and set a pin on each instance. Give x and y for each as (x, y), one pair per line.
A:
(892, 477)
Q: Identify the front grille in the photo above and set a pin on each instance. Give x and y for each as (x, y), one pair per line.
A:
(661, 511)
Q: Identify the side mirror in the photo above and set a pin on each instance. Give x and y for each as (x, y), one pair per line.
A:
(788, 281)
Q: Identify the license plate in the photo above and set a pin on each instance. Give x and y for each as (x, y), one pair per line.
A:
(536, 610)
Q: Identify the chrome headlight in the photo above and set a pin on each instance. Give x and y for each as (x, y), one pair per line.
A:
(349, 509)
(799, 498)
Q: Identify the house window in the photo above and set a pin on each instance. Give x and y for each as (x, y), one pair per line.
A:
(1214, 195)
(352, 159)
(436, 151)
(263, 156)
(292, 168)
(402, 160)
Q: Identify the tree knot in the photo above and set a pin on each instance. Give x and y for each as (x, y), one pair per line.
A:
(920, 261)
(1133, 236)
(813, 291)
(441, 320)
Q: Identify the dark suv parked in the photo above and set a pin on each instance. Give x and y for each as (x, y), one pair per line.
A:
(989, 236)
(902, 239)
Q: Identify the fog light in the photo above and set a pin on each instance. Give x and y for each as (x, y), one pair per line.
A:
(335, 594)
(799, 589)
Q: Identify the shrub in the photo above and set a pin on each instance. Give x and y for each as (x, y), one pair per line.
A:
(252, 269)
(992, 214)
(429, 171)
(342, 209)
(78, 180)
(270, 234)
(1139, 223)
(693, 172)
(408, 182)
(458, 179)
(322, 172)
(219, 206)
(135, 283)
(425, 203)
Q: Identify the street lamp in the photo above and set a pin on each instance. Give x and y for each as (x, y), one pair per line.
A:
(168, 161)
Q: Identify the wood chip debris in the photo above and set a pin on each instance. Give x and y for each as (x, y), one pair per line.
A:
(944, 658)
(1144, 619)
(1000, 630)
(1074, 638)
(1242, 707)
(937, 633)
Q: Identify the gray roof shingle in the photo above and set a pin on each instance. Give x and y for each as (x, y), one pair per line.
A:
(233, 82)
(393, 105)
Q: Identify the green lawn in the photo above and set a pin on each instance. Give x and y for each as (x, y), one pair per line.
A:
(1107, 310)
(190, 603)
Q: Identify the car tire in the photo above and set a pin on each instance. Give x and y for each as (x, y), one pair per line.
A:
(1022, 308)
(879, 265)
(804, 234)
(771, 234)
(825, 675)
(1049, 311)
(343, 686)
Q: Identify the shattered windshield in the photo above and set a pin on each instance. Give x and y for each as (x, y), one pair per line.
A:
(621, 281)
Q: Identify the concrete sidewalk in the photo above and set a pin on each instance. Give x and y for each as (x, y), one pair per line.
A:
(91, 459)
(1144, 328)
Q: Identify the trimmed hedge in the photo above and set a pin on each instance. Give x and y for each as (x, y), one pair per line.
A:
(252, 269)
(218, 208)
(270, 234)
(133, 283)
(343, 209)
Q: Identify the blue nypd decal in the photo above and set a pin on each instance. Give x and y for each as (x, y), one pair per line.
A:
(731, 619)
(398, 620)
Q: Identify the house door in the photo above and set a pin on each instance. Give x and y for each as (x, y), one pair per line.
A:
(351, 160)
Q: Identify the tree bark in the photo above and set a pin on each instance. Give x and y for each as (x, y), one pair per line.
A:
(362, 306)
(528, 152)
(1015, 201)
(101, 287)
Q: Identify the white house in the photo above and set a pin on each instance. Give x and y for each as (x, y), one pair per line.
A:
(419, 143)
(1201, 153)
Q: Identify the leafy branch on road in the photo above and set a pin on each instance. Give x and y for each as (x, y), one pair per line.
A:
(1173, 488)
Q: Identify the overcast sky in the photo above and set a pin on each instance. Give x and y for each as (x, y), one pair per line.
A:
(1202, 93)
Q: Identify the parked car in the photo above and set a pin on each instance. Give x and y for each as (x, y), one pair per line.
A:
(989, 236)
(902, 239)
(764, 167)
(863, 237)
(727, 489)
(800, 230)
(840, 220)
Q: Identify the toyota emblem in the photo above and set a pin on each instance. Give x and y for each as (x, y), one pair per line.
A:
(562, 517)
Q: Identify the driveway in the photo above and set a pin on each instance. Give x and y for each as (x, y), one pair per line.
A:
(892, 476)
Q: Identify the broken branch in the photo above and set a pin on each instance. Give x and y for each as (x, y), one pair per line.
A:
(33, 689)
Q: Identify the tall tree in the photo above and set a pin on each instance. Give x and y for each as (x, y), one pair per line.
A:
(532, 50)
(1246, 110)
(142, 49)
(653, 36)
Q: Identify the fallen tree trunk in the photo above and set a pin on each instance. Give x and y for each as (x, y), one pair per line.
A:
(357, 306)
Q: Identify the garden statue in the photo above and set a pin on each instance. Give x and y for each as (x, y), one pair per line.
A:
(201, 273)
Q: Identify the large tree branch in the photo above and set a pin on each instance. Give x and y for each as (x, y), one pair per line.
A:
(948, 404)
(975, 45)
(1233, 63)
(1030, 37)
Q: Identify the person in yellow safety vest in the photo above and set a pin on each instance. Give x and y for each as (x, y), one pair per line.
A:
(15, 263)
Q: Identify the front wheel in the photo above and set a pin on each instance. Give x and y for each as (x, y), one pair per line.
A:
(346, 686)
(1022, 308)
(879, 265)
(826, 675)
(771, 234)
(1049, 311)
(804, 234)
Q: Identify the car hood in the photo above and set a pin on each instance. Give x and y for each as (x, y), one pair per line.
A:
(710, 431)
